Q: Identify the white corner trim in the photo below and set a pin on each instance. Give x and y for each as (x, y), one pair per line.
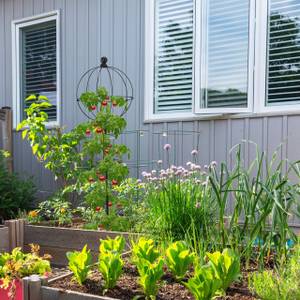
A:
(16, 26)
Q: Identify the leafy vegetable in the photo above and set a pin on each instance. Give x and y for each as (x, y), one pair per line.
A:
(150, 273)
(110, 266)
(179, 258)
(80, 264)
(144, 249)
(226, 266)
(115, 245)
(204, 285)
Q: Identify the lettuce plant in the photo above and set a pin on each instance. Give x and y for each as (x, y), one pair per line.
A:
(112, 245)
(204, 285)
(179, 259)
(110, 266)
(145, 249)
(226, 266)
(80, 264)
(150, 274)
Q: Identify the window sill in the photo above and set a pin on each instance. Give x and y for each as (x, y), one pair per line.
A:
(209, 117)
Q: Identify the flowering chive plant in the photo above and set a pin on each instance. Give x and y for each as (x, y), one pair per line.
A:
(177, 197)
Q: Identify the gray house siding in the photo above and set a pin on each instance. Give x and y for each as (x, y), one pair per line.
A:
(91, 28)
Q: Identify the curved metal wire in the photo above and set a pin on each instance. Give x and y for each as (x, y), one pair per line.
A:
(97, 71)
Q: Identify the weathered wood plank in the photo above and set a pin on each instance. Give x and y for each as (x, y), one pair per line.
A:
(4, 242)
(57, 241)
(49, 293)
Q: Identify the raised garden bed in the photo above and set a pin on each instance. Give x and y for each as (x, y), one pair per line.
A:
(55, 241)
(63, 288)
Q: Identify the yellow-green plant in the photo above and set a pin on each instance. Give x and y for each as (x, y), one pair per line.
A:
(226, 266)
(110, 266)
(80, 264)
(17, 265)
(179, 258)
(115, 245)
(281, 284)
(204, 285)
(150, 274)
(144, 249)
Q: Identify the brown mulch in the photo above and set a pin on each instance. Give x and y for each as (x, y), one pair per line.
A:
(127, 287)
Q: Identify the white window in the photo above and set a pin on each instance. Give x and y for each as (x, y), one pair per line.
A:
(36, 67)
(220, 57)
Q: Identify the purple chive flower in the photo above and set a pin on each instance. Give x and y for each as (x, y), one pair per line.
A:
(213, 163)
(139, 181)
(194, 152)
(159, 162)
(153, 172)
(205, 167)
(178, 172)
(144, 174)
(189, 163)
(167, 147)
(197, 167)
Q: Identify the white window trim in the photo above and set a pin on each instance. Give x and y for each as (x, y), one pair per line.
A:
(200, 61)
(256, 78)
(262, 12)
(17, 25)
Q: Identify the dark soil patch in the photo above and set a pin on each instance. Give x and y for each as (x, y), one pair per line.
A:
(127, 287)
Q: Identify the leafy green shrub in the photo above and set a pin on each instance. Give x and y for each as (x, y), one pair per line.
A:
(15, 194)
(179, 259)
(80, 264)
(226, 266)
(283, 284)
(204, 285)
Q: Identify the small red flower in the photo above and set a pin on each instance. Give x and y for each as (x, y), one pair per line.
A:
(91, 179)
(104, 103)
(114, 182)
(98, 208)
(102, 178)
(109, 204)
(114, 103)
(99, 130)
(93, 107)
(109, 146)
(107, 98)
(88, 132)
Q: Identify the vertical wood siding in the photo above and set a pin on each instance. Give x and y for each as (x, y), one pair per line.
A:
(115, 28)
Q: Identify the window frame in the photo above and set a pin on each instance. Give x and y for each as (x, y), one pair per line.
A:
(261, 54)
(17, 26)
(257, 70)
(200, 62)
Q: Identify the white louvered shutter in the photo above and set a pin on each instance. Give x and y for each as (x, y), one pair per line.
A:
(283, 66)
(173, 88)
(38, 64)
(225, 83)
